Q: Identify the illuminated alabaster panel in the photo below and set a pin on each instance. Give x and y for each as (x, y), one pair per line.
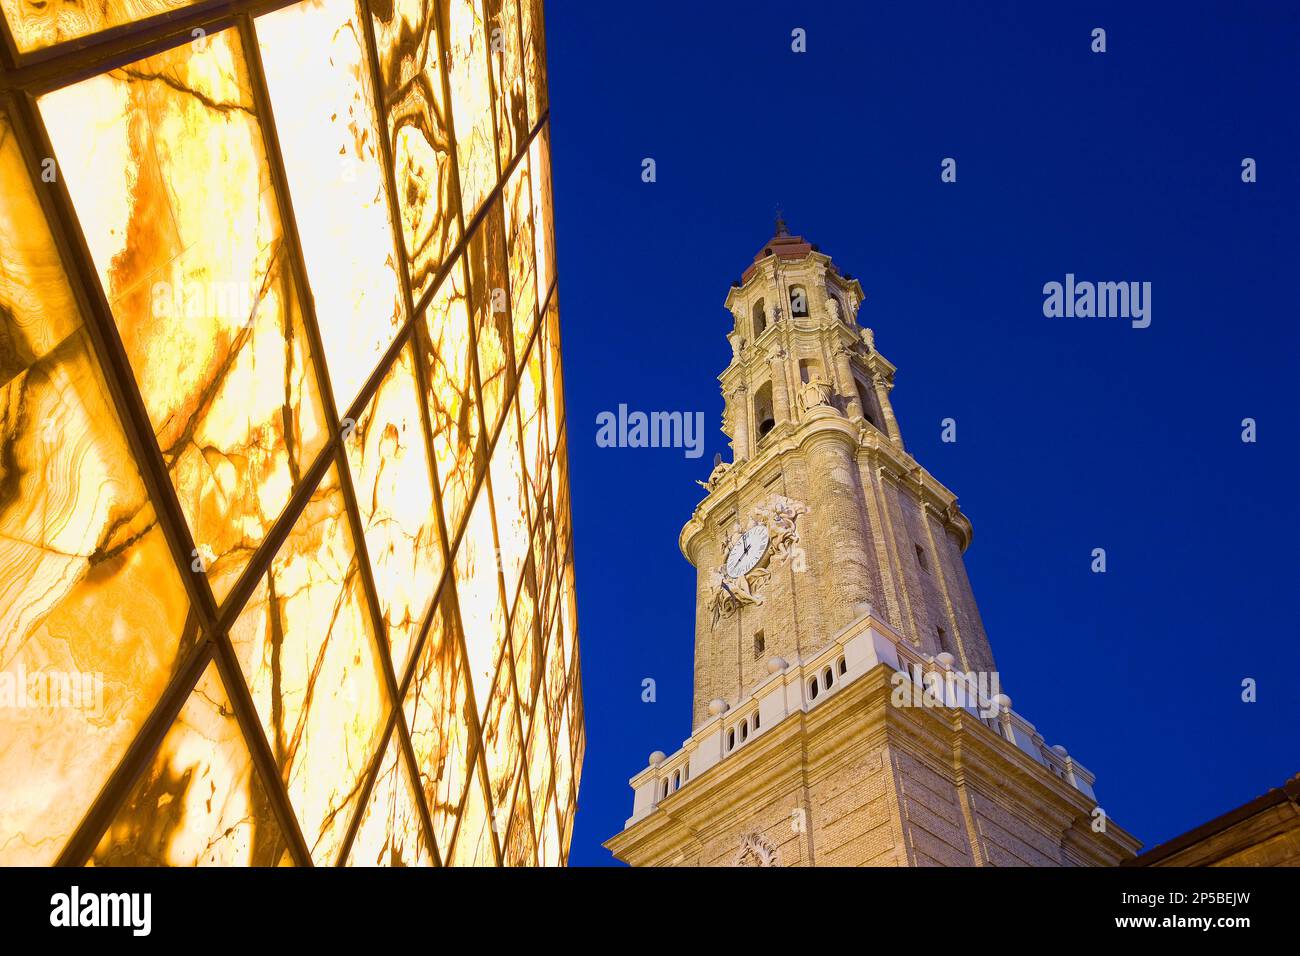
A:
(165, 164)
(508, 97)
(438, 715)
(317, 74)
(471, 100)
(523, 642)
(502, 745)
(510, 500)
(411, 84)
(539, 161)
(454, 421)
(390, 472)
(534, 42)
(490, 307)
(474, 839)
(390, 833)
(482, 607)
(286, 570)
(521, 250)
(93, 615)
(521, 847)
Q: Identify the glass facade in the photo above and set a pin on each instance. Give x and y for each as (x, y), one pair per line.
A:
(286, 565)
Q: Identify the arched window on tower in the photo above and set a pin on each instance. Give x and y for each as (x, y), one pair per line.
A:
(798, 301)
(760, 318)
(764, 417)
(865, 398)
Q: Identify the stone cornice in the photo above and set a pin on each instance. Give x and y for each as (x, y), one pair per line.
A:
(810, 745)
(873, 449)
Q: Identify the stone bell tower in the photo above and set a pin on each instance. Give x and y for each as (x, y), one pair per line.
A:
(847, 710)
(812, 429)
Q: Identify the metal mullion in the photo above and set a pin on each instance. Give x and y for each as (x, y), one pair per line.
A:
(51, 67)
(8, 47)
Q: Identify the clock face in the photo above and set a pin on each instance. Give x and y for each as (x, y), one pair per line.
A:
(747, 551)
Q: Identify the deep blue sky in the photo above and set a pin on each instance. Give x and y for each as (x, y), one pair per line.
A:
(1072, 433)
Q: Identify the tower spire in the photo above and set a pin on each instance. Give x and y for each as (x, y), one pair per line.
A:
(781, 229)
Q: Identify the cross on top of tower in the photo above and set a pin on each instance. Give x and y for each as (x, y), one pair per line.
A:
(781, 229)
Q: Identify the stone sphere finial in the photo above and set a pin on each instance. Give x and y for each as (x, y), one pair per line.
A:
(657, 758)
(1003, 703)
(717, 706)
(1058, 749)
(945, 660)
(776, 664)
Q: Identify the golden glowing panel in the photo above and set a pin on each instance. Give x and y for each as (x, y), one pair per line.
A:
(390, 832)
(490, 298)
(568, 611)
(437, 711)
(304, 642)
(457, 432)
(41, 23)
(534, 40)
(539, 761)
(165, 164)
(523, 642)
(201, 802)
(563, 757)
(532, 412)
(93, 615)
(482, 613)
(560, 492)
(509, 494)
(520, 849)
(539, 156)
(549, 849)
(579, 728)
(543, 547)
(319, 80)
(556, 685)
(550, 332)
(507, 76)
(471, 101)
(411, 80)
(390, 472)
(519, 243)
(474, 836)
(502, 745)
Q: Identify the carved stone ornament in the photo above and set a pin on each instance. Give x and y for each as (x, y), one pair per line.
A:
(814, 392)
(756, 851)
(779, 516)
(719, 469)
(833, 308)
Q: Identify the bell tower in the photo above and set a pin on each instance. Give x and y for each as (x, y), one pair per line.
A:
(819, 462)
(846, 710)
